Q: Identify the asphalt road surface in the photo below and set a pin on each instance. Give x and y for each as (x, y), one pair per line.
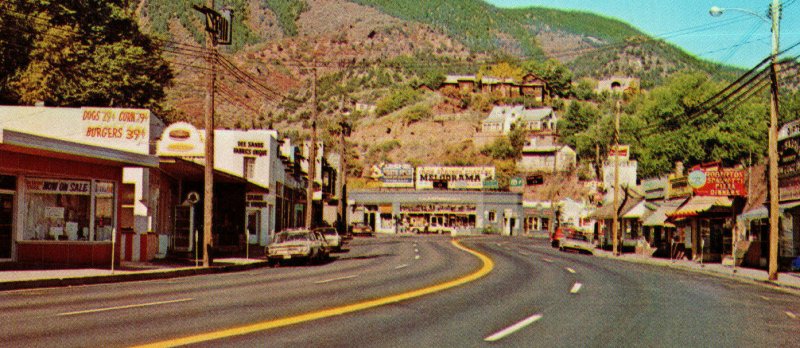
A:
(408, 292)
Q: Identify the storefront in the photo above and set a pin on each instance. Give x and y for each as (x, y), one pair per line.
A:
(60, 199)
(444, 211)
(60, 181)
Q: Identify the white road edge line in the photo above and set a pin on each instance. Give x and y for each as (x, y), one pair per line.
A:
(791, 315)
(570, 270)
(513, 328)
(335, 279)
(401, 266)
(124, 307)
(575, 288)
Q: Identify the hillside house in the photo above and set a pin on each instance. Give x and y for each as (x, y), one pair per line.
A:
(529, 86)
(543, 154)
(502, 119)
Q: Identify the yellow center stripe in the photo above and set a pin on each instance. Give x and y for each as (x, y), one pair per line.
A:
(487, 267)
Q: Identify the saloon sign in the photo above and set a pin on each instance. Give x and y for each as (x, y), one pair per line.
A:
(717, 182)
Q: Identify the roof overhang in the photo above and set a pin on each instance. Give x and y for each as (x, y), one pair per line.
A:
(38, 145)
(193, 171)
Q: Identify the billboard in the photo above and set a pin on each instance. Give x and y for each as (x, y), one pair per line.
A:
(396, 175)
(718, 182)
(464, 178)
(114, 128)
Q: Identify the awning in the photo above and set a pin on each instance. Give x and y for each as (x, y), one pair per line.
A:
(659, 217)
(638, 211)
(762, 212)
(699, 204)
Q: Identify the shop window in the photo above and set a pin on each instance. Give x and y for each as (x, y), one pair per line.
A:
(249, 169)
(103, 210)
(62, 210)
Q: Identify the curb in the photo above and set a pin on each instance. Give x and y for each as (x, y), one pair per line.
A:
(128, 277)
(738, 277)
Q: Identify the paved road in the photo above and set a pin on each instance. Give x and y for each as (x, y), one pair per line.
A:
(534, 297)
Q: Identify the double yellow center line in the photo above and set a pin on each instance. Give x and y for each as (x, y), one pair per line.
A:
(487, 267)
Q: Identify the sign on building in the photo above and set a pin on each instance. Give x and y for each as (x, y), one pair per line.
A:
(114, 128)
(717, 181)
(474, 178)
(396, 175)
(789, 161)
(180, 139)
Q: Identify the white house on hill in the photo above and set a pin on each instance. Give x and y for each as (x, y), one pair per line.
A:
(503, 118)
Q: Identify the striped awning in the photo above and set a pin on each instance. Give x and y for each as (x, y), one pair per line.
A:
(700, 204)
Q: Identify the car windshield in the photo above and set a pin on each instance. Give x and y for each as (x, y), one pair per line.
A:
(292, 237)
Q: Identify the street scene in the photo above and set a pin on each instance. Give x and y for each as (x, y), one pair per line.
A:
(360, 173)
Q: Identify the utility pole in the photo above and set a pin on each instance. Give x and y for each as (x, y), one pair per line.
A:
(208, 191)
(614, 221)
(312, 154)
(218, 31)
(343, 132)
(775, 12)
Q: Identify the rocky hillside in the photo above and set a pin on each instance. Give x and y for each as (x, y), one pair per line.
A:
(363, 50)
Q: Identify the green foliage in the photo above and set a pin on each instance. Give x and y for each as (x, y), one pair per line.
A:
(557, 76)
(288, 11)
(396, 100)
(500, 148)
(578, 118)
(84, 53)
(417, 113)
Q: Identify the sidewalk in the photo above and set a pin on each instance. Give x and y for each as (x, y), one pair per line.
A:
(787, 280)
(27, 277)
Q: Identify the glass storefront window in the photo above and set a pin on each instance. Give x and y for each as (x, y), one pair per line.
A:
(103, 210)
(62, 210)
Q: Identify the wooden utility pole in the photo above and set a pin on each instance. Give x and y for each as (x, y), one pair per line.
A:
(344, 132)
(774, 220)
(614, 221)
(312, 154)
(208, 193)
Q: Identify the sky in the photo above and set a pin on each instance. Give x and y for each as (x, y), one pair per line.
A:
(736, 38)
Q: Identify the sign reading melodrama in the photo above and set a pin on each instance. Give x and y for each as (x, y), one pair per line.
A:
(455, 177)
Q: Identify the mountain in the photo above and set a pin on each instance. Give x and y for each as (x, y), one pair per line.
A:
(364, 50)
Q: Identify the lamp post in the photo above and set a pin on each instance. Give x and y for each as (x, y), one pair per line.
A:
(774, 20)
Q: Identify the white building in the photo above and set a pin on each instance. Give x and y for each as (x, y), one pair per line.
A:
(544, 154)
(502, 119)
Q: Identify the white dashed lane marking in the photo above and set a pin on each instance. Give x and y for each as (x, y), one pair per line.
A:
(335, 279)
(576, 288)
(513, 328)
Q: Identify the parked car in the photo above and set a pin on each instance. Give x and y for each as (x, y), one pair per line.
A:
(360, 229)
(332, 238)
(303, 245)
(576, 241)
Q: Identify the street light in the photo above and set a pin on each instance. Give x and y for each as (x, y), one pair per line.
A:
(774, 14)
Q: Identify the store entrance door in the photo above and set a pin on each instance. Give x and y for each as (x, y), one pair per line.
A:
(253, 225)
(6, 221)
